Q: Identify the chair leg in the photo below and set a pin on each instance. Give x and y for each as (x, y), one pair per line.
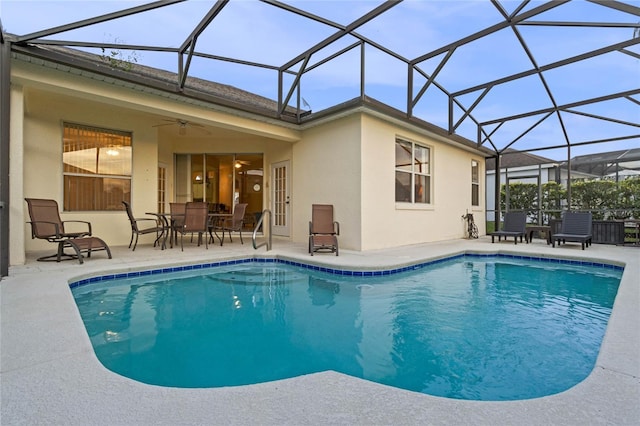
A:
(136, 243)
(60, 251)
(76, 249)
(131, 240)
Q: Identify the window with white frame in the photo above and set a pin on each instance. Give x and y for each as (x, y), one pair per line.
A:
(96, 168)
(475, 184)
(413, 173)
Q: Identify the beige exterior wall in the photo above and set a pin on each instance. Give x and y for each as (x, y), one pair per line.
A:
(326, 169)
(17, 210)
(347, 161)
(350, 163)
(43, 151)
(388, 224)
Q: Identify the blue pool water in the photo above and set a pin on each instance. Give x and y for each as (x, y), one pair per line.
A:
(478, 328)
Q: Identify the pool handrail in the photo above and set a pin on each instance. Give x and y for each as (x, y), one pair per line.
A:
(267, 241)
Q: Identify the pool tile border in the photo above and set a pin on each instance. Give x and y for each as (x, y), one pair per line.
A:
(347, 272)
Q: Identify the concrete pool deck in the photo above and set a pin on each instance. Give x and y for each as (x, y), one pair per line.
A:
(50, 375)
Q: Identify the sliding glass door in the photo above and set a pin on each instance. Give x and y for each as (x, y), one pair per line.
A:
(222, 180)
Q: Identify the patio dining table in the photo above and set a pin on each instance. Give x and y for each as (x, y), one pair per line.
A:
(167, 220)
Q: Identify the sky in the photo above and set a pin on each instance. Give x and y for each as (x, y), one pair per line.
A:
(260, 33)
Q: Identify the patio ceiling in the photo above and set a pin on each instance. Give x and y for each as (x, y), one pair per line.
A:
(531, 76)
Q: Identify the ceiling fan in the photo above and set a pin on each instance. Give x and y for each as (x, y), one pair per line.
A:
(239, 163)
(182, 125)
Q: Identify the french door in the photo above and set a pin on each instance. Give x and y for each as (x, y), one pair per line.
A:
(280, 197)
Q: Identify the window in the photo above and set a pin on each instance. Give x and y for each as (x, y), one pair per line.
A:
(413, 173)
(475, 184)
(96, 168)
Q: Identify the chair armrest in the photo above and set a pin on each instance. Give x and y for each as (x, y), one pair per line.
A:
(336, 226)
(140, 219)
(34, 223)
(79, 221)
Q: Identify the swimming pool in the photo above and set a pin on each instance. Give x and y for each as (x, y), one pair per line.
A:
(473, 327)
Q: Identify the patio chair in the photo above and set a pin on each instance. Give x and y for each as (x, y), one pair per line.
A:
(514, 226)
(196, 221)
(177, 219)
(323, 230)
(235, 223)
(46, 225)
(143, 226)
(576, 227)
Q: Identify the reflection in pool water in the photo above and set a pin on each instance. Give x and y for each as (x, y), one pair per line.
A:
(483, 328)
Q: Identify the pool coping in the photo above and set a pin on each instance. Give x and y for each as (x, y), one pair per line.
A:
(354, 272)
(85, 391)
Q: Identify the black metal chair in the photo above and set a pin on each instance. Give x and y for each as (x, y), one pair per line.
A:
(576, 227)
(515, 224)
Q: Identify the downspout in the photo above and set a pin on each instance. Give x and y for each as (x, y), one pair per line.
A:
(5, 116)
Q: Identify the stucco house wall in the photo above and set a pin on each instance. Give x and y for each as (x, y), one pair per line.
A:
(326, 169)
(386, 223)
(345, 159)
(43, 153)
(350, 163)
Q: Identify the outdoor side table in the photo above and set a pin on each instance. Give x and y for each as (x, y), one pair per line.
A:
(545, 229)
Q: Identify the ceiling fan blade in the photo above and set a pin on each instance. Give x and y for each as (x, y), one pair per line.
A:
(201, 129)
(163, 124)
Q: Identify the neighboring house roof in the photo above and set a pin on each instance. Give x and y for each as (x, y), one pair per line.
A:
(622, 162)
(512, 158)
(607, 163)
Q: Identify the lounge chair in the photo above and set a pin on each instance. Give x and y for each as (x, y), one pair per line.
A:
(143, 226)
(576, 227)
(232, 224)
(514, 226)
(323, 230)
(47, 225)
(196, 221)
